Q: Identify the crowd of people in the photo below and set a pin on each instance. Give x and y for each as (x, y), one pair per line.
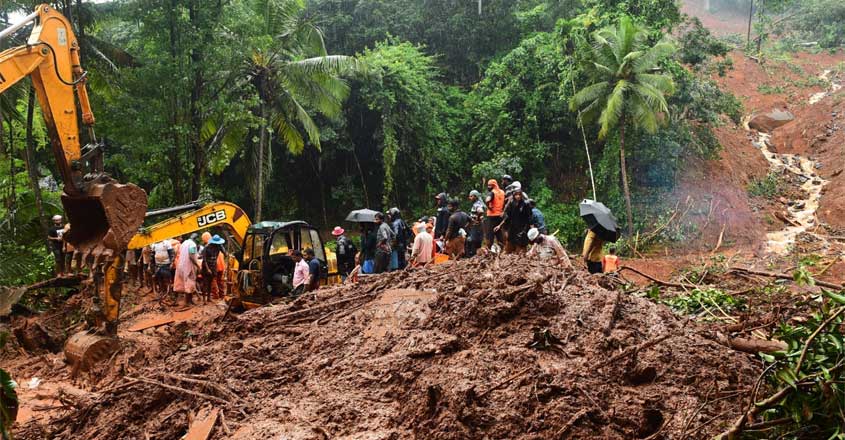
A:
(499, 220)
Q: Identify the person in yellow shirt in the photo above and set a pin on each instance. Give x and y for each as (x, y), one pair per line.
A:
(610, 262)
(592, 252)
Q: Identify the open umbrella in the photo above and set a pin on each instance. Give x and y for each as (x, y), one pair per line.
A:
(362, 216)
(600, 220)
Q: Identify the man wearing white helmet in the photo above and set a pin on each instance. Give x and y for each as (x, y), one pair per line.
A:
(547, 247)
(54, 235)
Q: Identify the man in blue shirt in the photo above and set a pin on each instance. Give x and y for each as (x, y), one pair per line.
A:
(313, 270)
(538, 220)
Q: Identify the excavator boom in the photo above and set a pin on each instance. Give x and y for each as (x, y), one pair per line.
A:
(211, 214)
(103, 214)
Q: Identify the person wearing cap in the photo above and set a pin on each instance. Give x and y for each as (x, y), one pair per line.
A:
(477, 204)
(210, 253)
(422, 252)
(345, 252)
(516, 220)
(547, 247)
(187, 266)
(54, 236)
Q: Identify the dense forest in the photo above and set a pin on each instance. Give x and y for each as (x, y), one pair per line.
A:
(308, 109)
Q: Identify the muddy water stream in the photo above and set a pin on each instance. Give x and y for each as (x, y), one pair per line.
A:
(800, 213)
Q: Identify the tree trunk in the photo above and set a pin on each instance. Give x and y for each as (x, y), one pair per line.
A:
(175, 155)
(363, 181)
(624, 170)
(10, 204)
(262, 144)
(32, 167)
(197, 89)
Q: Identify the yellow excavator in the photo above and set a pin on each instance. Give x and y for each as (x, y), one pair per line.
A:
(103, 214)
(259, 267)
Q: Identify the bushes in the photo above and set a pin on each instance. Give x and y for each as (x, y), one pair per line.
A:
(768, 187)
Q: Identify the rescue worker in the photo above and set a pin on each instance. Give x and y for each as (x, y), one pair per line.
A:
(400, 240)
(54, 236)
(187, 265)
(384, 237)
(592, 252)
(209, 266)
(495, 207)
(475, 231)
(610, 262)
(456, 231)
(538, 220)
(345, 252)
(314, 270)
(516, 219)
(422, 251)
(441, 221)
(507, 181)
(477, 203)
(547, 247)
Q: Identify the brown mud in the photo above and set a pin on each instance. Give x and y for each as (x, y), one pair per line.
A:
(483, 348)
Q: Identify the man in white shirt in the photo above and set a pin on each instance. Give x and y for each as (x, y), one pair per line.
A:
(547, 247)
(421, 252)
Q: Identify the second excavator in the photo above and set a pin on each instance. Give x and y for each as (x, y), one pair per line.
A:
(103, 214)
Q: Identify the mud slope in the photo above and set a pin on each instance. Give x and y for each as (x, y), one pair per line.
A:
(482, 348)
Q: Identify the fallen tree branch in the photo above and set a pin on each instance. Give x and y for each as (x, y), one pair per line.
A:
(180, 389)
(783, 276)
(571, 422)
(752, 346)
(659, 281)
(635, 349)
(506, 381)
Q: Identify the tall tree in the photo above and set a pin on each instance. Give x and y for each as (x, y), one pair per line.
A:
(293, 76)
(627, 88)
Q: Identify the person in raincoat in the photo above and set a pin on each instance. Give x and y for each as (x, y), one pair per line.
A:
(187, 265)
(441, 221)
(495, 208)
(516, 219)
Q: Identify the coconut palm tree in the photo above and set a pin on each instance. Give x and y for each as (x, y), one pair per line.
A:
(293, 77)
(627, 88)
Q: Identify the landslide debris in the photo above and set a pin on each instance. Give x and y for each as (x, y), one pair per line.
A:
(492, 347)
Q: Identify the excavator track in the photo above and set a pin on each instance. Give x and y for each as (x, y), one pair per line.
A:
(83, 350)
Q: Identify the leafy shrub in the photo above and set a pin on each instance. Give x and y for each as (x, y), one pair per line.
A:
(767, 187)
(708, 299)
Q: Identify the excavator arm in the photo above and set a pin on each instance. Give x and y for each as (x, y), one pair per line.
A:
(103, 214)
(213, 214)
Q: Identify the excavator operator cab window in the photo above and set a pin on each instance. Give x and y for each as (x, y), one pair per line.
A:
(253, 248)
(281, 244)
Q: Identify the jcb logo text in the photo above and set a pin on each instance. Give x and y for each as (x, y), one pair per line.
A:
(212, 218)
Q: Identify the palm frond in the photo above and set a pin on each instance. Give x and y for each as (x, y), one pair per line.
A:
(589, 94)
(653, 56)
(614, 108)
(660, 82)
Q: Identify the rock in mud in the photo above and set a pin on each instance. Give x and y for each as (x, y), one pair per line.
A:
(768, 121)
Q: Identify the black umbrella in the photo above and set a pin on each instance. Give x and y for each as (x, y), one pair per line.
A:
(362, 216)
(600, 220)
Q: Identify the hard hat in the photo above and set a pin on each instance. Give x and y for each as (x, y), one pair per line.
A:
(533, 233)
(57, 218)
(507, 177)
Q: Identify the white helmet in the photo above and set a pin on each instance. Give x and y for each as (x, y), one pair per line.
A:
(57, 218)
(533, 233)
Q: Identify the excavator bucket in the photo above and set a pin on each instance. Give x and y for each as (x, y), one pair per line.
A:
(105, 217)
(102, 221)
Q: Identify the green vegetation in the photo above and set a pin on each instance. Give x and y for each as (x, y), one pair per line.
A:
(813, 364)
(8, 397)
(238, 101)
(714, 302)
(767, 89)
(768, 187)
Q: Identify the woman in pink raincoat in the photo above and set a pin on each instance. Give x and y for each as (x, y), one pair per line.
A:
(187, 265)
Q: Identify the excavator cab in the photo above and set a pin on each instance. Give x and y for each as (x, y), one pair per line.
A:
(266, 266)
